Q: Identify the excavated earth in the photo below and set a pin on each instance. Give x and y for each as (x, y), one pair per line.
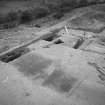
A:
(69, 71)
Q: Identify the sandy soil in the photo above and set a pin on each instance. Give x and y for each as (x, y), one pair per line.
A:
(54, 78)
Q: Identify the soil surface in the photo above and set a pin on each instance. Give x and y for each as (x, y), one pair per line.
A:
(67, 68)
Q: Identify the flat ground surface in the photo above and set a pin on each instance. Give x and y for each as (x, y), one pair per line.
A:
(54, 78)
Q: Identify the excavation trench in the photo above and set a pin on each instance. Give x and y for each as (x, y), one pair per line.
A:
(79, 43)
(14, 55)
(54, 38)
(20, 52)
(8, 57)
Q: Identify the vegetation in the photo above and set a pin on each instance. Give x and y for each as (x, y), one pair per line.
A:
(2, 20)
(40, 12)
(9, 25)
(12, 16)
(57, 7)
(52, 7)
(26, 16)
(12, 19)
(83, 3)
